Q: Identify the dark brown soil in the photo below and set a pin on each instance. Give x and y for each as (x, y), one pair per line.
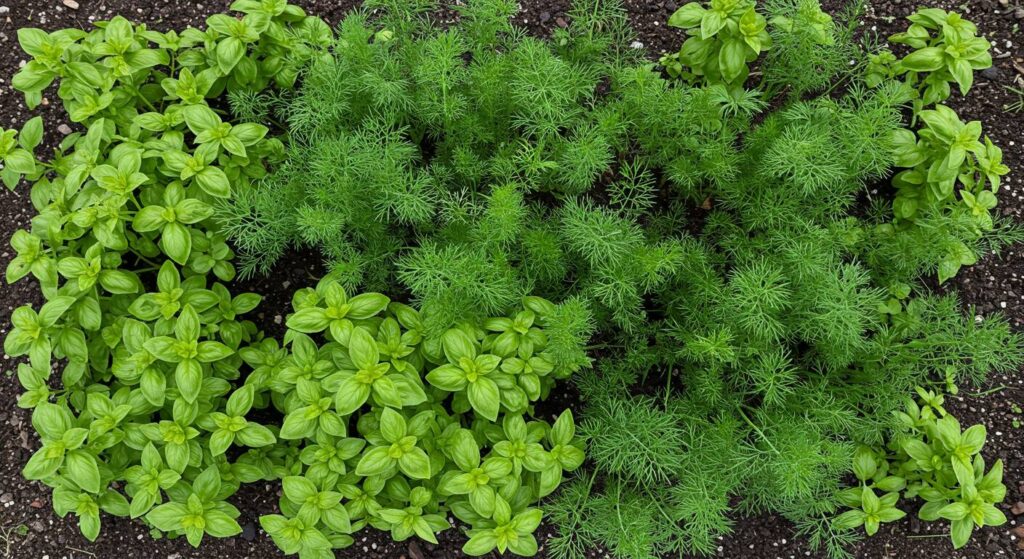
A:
(30, 530)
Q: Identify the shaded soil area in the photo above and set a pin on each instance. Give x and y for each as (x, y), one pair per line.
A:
(30, 530)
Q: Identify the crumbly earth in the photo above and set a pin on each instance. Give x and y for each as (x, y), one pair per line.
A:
(30, 530)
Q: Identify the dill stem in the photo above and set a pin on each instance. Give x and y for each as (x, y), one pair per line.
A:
(757, 430)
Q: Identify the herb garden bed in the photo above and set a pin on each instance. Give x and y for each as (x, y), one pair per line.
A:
(995, 285)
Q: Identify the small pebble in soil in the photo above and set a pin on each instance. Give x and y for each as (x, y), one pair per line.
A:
(992, 74)
(70, 3)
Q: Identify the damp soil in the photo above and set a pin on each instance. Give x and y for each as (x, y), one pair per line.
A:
(30, 530)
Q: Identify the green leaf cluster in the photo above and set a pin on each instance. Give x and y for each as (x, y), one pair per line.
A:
(428, 440)
(111, 71)
(928, 456)
(943, 153)
(144, 402)
(946, 50)
(726, 37)
(154, 157)
(145, 410)
(17, 153)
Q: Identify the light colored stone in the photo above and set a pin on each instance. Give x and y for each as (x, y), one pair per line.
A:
(70, 3)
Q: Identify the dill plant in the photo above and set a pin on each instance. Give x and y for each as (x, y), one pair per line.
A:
(758, 313)
(430, 158)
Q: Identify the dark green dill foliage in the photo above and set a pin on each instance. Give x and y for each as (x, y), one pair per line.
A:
(652, 456)
(724, 248)
(784, 332)
(430, 158)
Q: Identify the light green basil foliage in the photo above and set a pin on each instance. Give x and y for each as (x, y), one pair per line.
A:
(121, 247)
(145, 399)
(17, 152)
(946, 50)
(882, 66)
(943, 155)
(725, 37)
(931, 458)
(439, 424)
(120, 66)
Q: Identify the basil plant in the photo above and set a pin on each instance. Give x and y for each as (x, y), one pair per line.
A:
(932, 458)
(398, 431)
